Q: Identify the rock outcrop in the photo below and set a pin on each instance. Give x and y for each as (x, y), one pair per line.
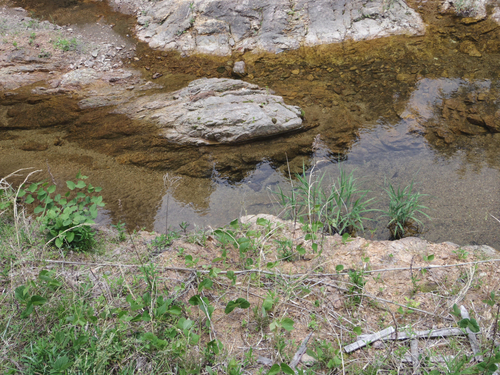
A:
(216, 111)
(472, 9)
(223, 27)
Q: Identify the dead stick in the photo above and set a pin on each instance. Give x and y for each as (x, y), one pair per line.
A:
(300, 352)
(368, 339)
(431, 333)
(414, 355)
(476, 349)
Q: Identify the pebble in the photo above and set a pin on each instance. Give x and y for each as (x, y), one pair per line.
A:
(296, 71)
(307, 360)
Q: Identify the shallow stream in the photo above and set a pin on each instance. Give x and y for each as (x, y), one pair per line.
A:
(396, 110)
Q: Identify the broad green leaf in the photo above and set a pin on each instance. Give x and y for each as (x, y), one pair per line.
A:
(80, 184)
(213, 346)
(21, 293)
(301, 250)
(175, 310)
(70, 236)
(287, 369)
(274, 370)
(61, 364)
(162, 309)
(271, 265)
(29, 199)
(357, 330)
(21, 193)
(287, 324)
(194, 338)
(203, 303)
(456, 311)
(51, 189)
(240, 302)
(231, 276)
(71, 185)
(59, 242)
(37, 300)
(473, 326)
(146, 317)
(205, 283)
(339, 268)
(27, 312)
(263, 222)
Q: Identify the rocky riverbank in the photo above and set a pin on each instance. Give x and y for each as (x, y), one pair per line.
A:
(223, 28)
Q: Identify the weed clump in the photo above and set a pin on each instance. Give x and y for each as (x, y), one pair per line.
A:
(404, 206)
(341, 208)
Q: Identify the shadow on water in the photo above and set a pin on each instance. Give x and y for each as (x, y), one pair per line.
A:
(395, 109)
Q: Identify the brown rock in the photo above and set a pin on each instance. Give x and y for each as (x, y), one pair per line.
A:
(492, 123)
(469, 48)
(475, 120)
(404, 77)
(34, 146)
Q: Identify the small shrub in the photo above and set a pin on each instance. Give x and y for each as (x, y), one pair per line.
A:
(66, 222)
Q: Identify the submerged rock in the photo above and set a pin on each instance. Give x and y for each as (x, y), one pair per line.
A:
(223, 27)
(211, 111)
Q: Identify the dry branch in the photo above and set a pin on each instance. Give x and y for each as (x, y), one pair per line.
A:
(474, 343)
(368, 339)
(431, 333)
(300, 352)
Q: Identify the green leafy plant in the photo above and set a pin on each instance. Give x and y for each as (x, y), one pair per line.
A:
(22, 294)
(240, 302)
(32, 38)
(163, 241)
(325, 354)
(461, 253)
(66, 219)
(65, 44)
(358, 281)
(404, 207)
(122, 232)
(277, 368)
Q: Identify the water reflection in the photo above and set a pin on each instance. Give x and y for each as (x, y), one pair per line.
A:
(462, 182)
(393, 109)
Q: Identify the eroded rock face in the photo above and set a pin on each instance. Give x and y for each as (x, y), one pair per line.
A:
(216, 111)
(222, 27)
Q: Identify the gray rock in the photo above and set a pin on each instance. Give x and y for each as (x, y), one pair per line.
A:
(79, 77)
(488, 251)
(239, 68)
(467, 8)
(222, 27)
(214, 111)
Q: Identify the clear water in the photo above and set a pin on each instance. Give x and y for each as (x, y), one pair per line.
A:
(377, 108)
